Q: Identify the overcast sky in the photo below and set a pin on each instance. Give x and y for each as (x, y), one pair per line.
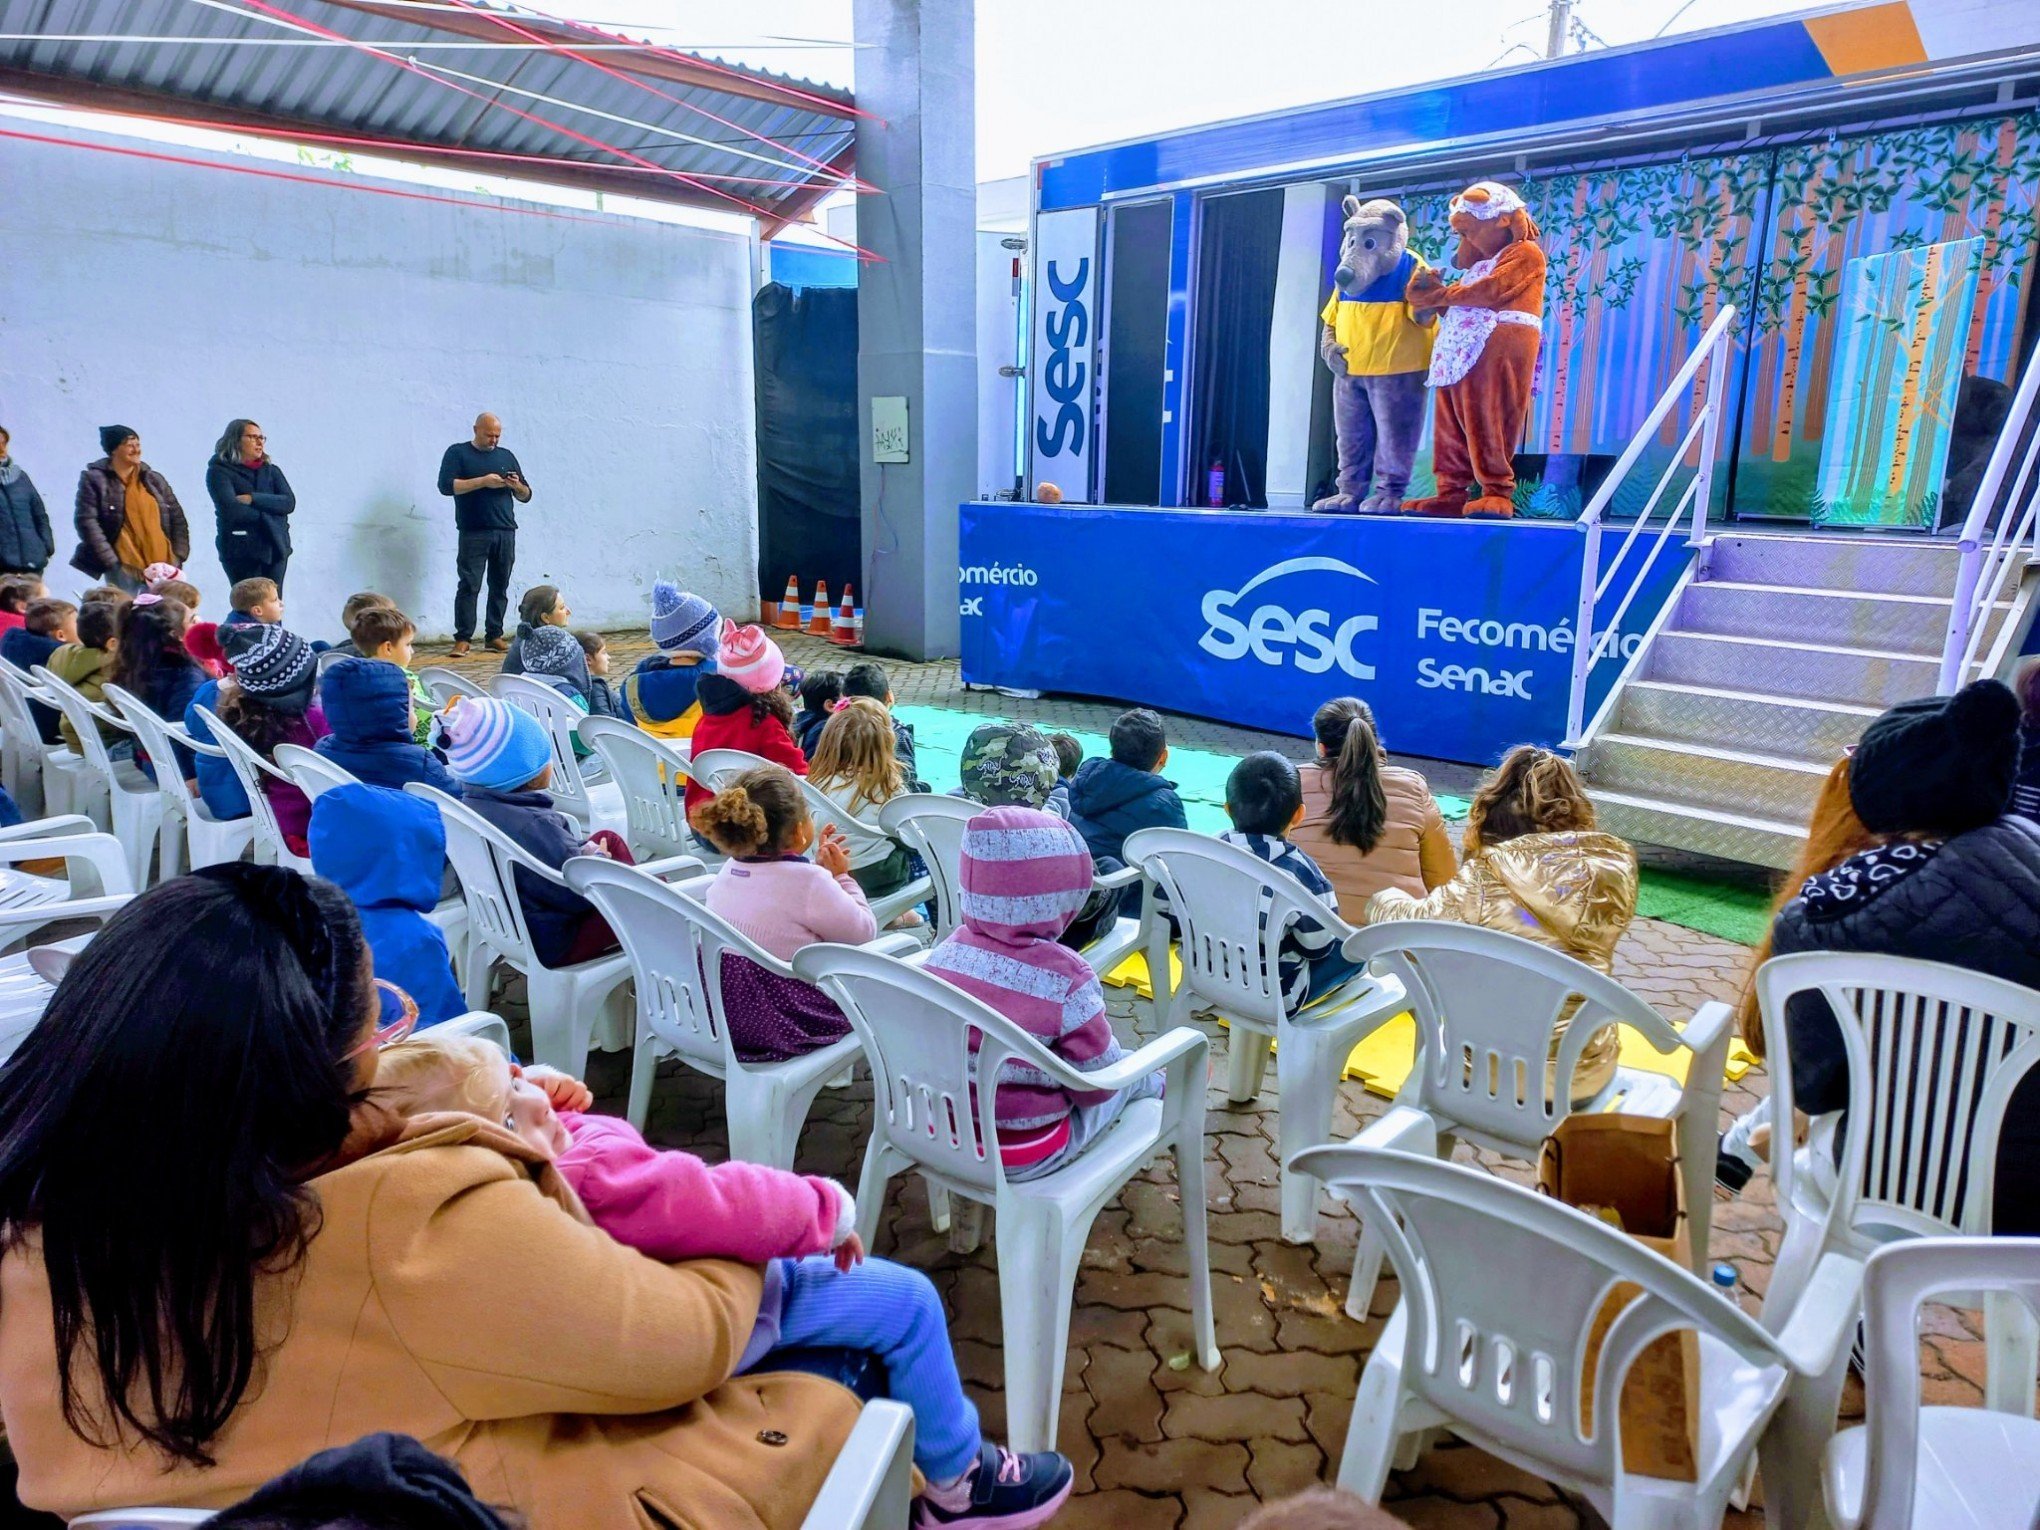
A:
(1054, 75)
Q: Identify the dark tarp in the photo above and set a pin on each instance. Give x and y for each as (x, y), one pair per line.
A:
(806, 344)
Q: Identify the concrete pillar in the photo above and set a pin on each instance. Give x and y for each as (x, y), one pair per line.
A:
(916, 310)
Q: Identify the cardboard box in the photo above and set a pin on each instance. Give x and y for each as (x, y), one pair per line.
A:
(1630, 1164)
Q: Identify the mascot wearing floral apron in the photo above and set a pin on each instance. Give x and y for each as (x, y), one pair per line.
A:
(1489, 324)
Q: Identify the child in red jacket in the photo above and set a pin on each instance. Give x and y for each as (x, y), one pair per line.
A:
(744, 706)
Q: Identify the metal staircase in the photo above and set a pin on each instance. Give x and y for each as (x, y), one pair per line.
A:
(1774, 651)
(1772, 660)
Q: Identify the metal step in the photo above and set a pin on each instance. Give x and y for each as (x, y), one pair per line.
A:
(1814, 731)
(1702, 776)
(1854, 676)
(1877, 564)
(1915, 624)
(1731, 836)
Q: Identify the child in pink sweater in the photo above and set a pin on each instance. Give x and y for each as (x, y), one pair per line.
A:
(820, 1291)
(1025, 875)
(775, 896)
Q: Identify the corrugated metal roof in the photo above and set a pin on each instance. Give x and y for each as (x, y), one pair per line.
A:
(452, 82)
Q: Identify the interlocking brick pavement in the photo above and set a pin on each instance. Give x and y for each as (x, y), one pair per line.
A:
(1158, 1448)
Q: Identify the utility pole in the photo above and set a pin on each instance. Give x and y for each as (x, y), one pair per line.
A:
(1561, 28)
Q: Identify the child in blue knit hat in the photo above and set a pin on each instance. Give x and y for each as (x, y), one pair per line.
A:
(659, 694)
(502, 758)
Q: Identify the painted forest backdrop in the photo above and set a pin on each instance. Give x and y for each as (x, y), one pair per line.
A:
(1643, 256)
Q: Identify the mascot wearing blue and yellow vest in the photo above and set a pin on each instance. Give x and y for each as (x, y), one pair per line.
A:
(1378, 351)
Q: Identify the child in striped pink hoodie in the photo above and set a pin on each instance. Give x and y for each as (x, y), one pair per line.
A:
(1025, 876)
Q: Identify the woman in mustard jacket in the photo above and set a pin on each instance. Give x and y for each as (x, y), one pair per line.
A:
(206, 1218)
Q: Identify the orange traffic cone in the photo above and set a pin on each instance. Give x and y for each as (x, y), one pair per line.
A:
(818, 619)
(844, 632)
(789, 604)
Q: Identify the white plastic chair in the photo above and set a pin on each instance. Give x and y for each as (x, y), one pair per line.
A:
(70, 783)
(823, 811)
(133, 803)
(871, 1486)
(1934, 1053)
(676, 949)
(651, 775)
(1500, 1287)
(23, 754)
(443, 684)
(250, 769)
(935, 1115)
(327, 660)
(188, 824)
(1485, 1004)
(141, 1519)
(96, 882)
(598, 804)
(1912, 1468)
(565, 1001)
(932, 827)
(1231, 963)
(311, 771)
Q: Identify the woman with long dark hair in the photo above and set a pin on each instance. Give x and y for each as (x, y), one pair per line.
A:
(252, 504)
(221, 1256)
(152, 664)
(1368, 824)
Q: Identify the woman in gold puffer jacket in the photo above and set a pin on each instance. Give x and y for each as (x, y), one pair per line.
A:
(1536, 866)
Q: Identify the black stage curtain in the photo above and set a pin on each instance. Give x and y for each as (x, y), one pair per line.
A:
(805, 339)
(1239, 246)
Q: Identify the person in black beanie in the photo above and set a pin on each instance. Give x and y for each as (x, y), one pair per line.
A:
(126, 515)
(1956, 880)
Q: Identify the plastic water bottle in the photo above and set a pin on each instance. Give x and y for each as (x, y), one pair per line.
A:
(1214, 484)
(1725, 1280)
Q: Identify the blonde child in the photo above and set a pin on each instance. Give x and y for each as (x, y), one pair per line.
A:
(856, 768)
(777, 897)
(820, 1290)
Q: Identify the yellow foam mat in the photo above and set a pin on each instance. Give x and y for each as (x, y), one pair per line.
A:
(1382, 1062)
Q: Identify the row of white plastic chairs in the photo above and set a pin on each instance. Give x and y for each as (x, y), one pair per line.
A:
(1471, 992)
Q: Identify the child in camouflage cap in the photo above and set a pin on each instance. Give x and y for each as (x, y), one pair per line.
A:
(1008, 765)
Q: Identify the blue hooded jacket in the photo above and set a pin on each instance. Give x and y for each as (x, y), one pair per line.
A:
(384, 849)
(368, 706)
(1109, 801)
(218, 786)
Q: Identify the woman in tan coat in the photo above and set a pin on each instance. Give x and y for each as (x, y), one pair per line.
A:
(1368, 824)
(206, 1221)
(1537, 867)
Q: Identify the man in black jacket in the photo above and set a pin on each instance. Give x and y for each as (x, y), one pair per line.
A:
(486, 484)
(1958, 882)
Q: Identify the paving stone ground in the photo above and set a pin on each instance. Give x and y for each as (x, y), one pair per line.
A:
(1157, 1448)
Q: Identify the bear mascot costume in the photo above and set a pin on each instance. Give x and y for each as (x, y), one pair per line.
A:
(1489, 323)
(1378, 350)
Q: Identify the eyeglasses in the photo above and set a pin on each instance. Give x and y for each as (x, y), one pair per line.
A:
(398, 1018)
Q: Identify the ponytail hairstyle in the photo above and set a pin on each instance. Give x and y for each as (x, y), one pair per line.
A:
(1533, 791)
(157, 1129)
(1359, 810)
(755, 815)
(857, 746)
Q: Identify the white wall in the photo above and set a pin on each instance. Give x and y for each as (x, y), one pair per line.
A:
(364, 332)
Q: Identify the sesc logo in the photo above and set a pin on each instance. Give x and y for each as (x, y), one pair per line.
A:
(1064, 372)
(1273, 632)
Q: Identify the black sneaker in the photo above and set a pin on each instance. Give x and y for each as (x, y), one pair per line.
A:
(1007, 1492)
(1731, 1174)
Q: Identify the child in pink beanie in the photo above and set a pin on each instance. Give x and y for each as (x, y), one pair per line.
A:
(820, 1291)
(744, 705)
(1025, 876)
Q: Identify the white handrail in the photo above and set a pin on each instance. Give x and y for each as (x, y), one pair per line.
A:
(1712, 352)
(1979, 575)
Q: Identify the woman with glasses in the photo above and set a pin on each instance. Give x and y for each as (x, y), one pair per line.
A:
(252, 503)
(221, 1255)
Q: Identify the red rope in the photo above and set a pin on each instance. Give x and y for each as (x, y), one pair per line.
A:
(158, 156)
(836, 108)
(517, 111)
(397, 145)
(497, 18)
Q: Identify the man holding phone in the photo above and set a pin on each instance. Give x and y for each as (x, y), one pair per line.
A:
(486, 484)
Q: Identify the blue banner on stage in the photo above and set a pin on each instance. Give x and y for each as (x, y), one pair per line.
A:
(1459, 634)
